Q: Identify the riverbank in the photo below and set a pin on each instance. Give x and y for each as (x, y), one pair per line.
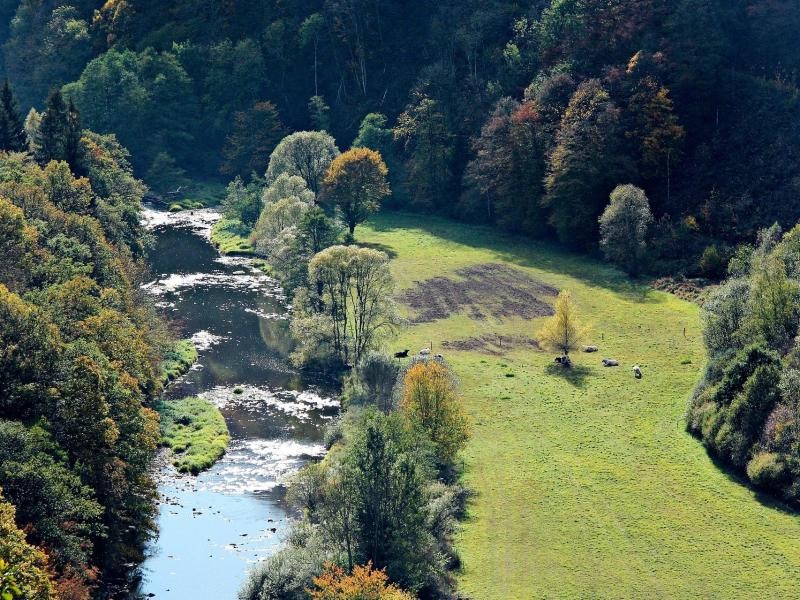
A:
(586, 483)
(178, 360)
(195, 431)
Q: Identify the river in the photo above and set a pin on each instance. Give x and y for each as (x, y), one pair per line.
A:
(214, 527)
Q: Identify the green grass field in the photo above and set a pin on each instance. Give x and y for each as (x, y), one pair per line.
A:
(588, 486)
(195, 431)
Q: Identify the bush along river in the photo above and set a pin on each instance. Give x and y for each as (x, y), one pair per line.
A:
(213, 527)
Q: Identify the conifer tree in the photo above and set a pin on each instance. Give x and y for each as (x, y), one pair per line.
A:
(12, 129)
(51, 137)
(73, 136)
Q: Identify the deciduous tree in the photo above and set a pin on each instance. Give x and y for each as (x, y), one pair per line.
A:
(623, 228)
(365, 583)
(563, 331)
(430, 400)
(254, 135)
(305, 153)
(355, 183)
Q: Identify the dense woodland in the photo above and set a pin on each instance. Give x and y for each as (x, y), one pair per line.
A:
(526, 114)
(79, 357)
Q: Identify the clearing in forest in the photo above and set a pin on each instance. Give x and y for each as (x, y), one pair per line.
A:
(587, 484)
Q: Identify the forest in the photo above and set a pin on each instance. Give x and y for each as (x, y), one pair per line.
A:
(326, 249)
(523, 114)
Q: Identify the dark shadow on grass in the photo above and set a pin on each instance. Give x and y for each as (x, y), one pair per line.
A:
(521, 251)
(382, 247)
(764, 497)
(576, 375)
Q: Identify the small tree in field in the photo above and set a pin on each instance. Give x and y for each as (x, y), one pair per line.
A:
(356, 183)
(623, 227)
(563, 331)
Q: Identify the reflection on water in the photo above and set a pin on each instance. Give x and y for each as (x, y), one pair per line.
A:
(213, 527)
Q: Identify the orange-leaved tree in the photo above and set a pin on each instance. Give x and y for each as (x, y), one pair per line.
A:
(365, 583)
(356, 183)
(431, 401)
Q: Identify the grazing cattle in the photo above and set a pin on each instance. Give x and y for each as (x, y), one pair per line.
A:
(425, 352)
(637, 372)
(610, 362)
(403, 354)
(590, 349)
(564, 361)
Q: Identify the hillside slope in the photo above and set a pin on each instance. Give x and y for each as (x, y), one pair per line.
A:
(588, 486)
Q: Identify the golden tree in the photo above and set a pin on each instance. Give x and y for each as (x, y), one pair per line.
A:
(355, 182)
(431, 401)
(563, 331)
(365, 583)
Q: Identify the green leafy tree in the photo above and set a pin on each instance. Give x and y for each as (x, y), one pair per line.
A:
(355, 183)
(72, 138)
(319, 113)
(389, 498)
(305, 153)
(623, 228)
(243, 201)
(287, 186)
(165, 174)
(355, 306)
(427, 141)
(773, 302)
(310, 32)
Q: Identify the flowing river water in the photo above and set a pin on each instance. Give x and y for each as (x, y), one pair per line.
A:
(214, 527)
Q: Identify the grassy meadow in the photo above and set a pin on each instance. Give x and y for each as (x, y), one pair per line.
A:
(586, 483)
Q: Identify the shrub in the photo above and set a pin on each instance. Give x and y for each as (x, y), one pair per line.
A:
(287, 574)
(711, 262)
(767, 469)
(373, 381)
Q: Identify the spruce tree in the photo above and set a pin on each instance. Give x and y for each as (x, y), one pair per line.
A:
(73, 136)
(12, 129)
(51, 138)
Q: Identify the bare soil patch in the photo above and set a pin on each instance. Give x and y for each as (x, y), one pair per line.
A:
(495, 345)
(485, 289)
